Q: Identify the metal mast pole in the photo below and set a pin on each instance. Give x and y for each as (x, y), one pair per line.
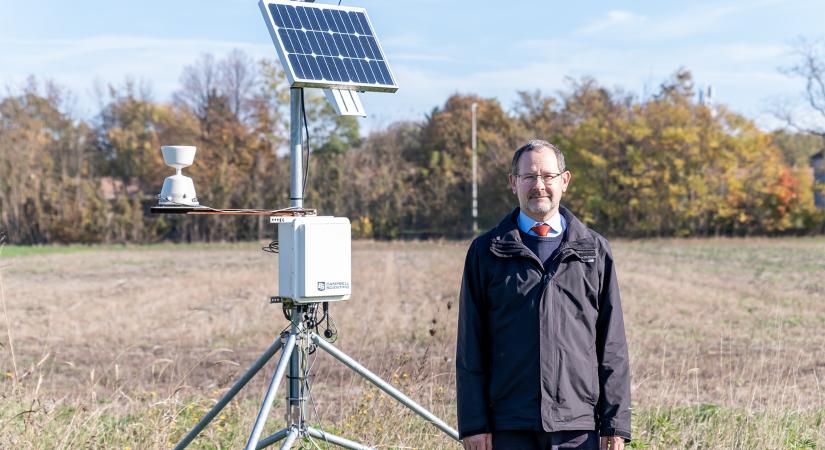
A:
(294, 411)
(296, 169)
(475, 173)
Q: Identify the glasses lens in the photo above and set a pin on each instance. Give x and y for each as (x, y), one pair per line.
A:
(546, 178)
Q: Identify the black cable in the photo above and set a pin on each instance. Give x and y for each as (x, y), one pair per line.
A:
(308, 385)
(272, 247)
(306, 129)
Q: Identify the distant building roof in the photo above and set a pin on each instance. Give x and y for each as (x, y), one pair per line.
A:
(819, 178)
(112, 188)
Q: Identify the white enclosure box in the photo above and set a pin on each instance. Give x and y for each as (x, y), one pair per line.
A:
(315, 259)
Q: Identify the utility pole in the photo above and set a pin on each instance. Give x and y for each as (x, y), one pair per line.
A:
(475, 173)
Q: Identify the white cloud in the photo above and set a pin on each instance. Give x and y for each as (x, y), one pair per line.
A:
(613, 19)
(687, 22)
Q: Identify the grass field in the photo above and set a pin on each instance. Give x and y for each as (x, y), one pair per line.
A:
(126, 347)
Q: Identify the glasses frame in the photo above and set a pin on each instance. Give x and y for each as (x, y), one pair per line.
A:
(546, 179)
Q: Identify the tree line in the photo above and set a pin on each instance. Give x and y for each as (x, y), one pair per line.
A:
(660, 165)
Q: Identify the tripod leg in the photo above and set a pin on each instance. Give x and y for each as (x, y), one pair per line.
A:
(269, 440)
(262, 360)
(337, 440)
(270, 393)
(383, 385)
(290, 438)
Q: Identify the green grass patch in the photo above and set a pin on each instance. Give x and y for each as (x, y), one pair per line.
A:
(712, 426)
(29, 250)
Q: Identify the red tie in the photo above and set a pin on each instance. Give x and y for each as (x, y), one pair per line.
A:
(541, 230)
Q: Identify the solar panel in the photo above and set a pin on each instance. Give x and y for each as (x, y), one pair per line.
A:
(327, 46)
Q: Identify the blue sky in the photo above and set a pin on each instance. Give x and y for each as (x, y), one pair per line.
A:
(436, 48)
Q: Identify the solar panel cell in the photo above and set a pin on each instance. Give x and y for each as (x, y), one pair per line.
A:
(315, 46)
(359, 50)
(302, 17)
(366, 46)
(297, 41)
(362, 18)
(348, 45)
(353, 75)
(314, 69)
(322, 43)
(368, 71)
(345, 20)
(342, 69)
(330, 20)
(330, 64)
(313, 21)
(293, 17)
(276, 16)
(373, 45)
(330, 42)
(319, 16)
(296, 65)
(342, 48)
(356, 24)
(385, 74)
(284, 35)
(325, 75)
(279, 15)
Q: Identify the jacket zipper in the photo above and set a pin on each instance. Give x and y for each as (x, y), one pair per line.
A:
(546, 278)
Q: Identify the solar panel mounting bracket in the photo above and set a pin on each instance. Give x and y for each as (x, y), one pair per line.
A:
(346, 102)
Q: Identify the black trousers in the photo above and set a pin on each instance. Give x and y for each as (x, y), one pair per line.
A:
(542, 440)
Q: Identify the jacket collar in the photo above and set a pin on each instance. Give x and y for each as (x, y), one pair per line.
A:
(506, 241)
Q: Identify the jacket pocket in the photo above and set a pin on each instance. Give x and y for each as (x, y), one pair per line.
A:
(579, 380)
(594, 384)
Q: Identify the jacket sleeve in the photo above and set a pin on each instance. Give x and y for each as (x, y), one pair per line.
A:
(470, 365)
(611, 348)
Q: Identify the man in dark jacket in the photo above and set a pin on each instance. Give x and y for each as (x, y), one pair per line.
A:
(541, 359)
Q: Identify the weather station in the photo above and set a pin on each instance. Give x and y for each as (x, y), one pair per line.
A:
(333, 48)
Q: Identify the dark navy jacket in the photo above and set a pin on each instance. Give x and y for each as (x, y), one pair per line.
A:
(541, 349)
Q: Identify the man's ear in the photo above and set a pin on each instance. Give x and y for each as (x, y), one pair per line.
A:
(512, 181)
(565, 178)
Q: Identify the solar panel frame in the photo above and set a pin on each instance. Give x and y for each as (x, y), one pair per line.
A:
(316, 40)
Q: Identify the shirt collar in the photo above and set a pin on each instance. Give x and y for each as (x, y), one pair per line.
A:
(557, 224)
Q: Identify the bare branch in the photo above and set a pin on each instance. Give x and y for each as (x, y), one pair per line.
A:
(810, 67)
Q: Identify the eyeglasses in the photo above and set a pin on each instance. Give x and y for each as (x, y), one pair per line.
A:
(531, 178)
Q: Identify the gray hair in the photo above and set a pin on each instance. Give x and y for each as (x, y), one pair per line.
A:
(536, 144)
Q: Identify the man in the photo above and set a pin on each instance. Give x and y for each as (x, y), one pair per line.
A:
(541, 359)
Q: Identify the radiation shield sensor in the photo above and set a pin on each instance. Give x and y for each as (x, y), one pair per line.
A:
(178, 189)
(315, 260)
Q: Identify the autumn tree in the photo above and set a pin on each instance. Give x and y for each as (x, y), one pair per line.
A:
(45, 165)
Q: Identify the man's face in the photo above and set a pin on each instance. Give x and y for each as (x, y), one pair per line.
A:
(539, 199)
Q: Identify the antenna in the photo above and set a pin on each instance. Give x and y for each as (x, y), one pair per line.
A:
(475, 172)
(333, 48)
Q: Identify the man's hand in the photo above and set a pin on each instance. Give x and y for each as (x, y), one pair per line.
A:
(611, 443)
(479, 442)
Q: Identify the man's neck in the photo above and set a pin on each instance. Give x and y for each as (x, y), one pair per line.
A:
(545, 218)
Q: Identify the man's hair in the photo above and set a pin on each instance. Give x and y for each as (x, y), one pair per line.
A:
(536, 144)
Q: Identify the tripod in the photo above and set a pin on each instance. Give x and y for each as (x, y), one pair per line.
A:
(293, 344)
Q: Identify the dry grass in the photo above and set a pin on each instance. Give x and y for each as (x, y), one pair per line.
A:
(127, 347)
